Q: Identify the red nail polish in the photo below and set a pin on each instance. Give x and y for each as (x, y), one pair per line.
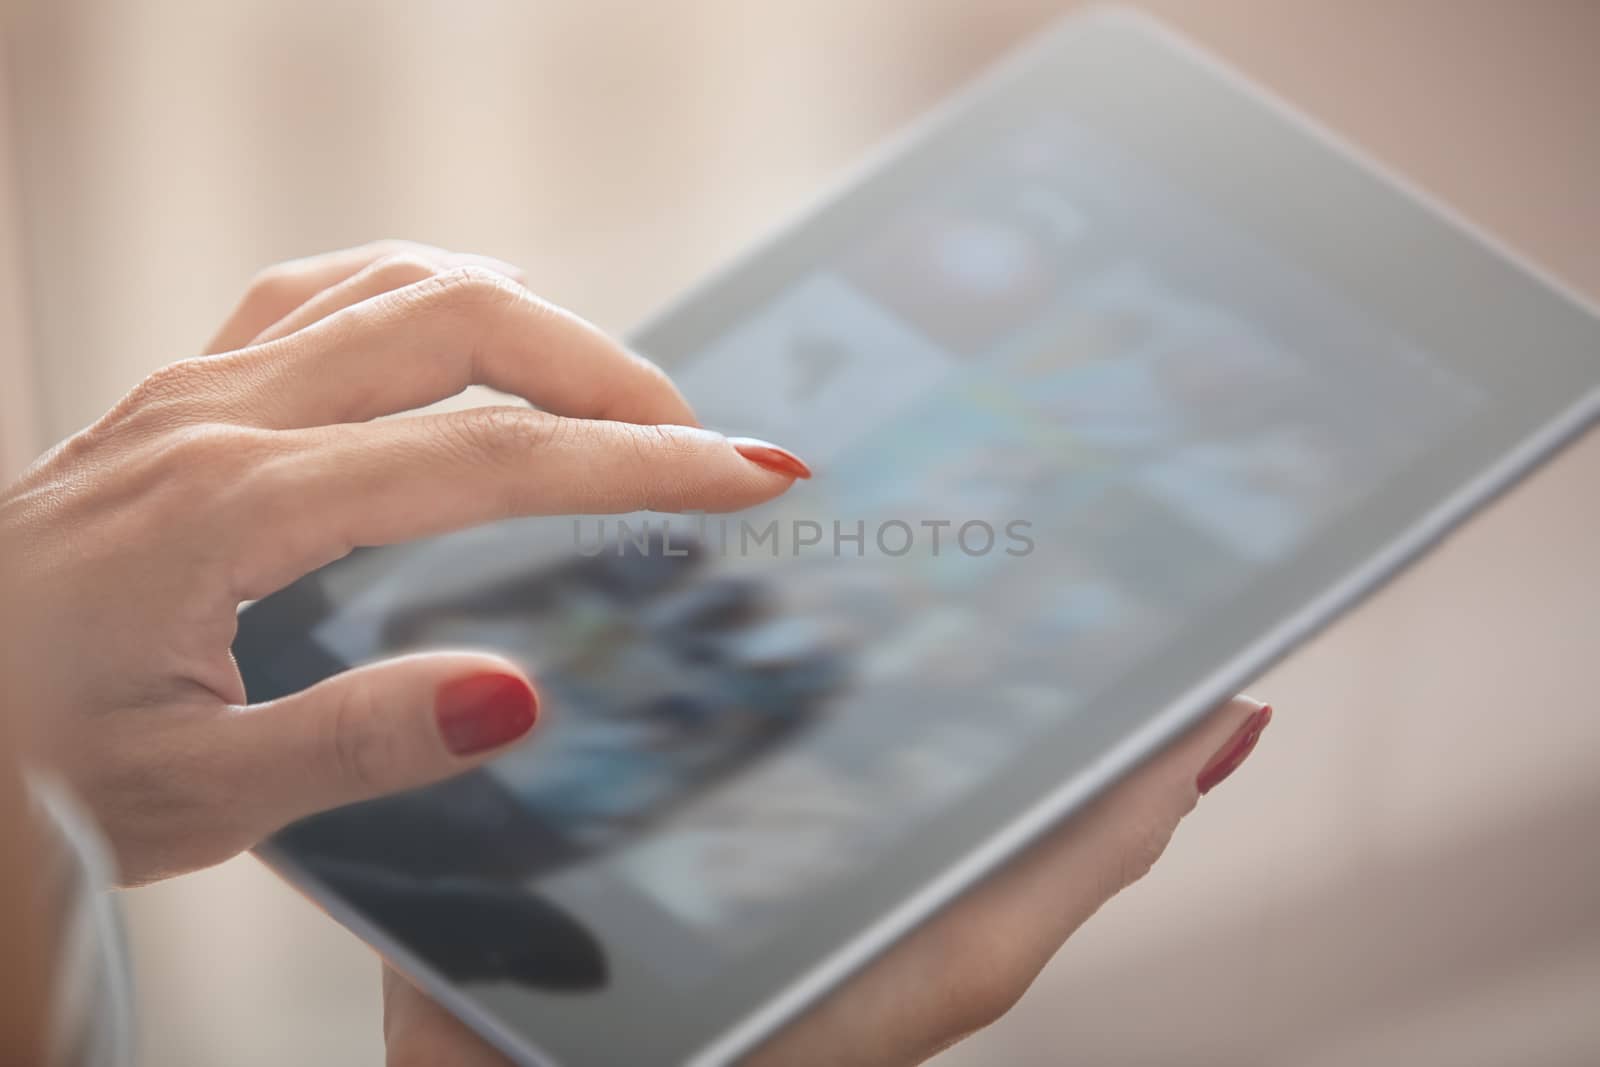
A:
(770, 456)
(1230, 755)
(484, 711)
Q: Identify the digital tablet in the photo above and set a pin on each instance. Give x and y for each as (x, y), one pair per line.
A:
(1119, 380)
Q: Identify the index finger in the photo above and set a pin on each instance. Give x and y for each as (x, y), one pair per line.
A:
(428, 341)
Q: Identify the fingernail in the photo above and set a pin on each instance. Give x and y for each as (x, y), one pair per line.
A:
(771, 457)
(484, 711)
(1230, 755)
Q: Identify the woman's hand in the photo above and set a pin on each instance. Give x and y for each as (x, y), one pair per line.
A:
(126, 552)
(966, 967)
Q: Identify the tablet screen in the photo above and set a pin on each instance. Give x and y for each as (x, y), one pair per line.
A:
(1093, 397)
(1048, 439)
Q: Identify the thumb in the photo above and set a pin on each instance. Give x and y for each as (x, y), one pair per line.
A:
(973, 960)
(1055, 887)
(394, 725)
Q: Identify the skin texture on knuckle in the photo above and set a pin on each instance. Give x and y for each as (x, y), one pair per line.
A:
(168, 397)
(504, 443)
(673, 445)
(472, 305)
(361, 752)
(181, 379)
(467, 290)
(1135, 823)
(1140, 840)
(504, 435)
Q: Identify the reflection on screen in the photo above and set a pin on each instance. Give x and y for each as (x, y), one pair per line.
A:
(1053, 336)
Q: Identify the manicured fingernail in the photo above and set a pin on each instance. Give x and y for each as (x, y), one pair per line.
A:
(770, 456)
(1230, 755)
(484, 711)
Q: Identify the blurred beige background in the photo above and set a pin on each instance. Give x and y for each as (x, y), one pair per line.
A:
(1408, 872)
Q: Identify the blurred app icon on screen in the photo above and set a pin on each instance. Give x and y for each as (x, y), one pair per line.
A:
(814, 369)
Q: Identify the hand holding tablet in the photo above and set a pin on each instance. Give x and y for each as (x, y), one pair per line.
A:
(186, 780)
(1119, 381)
(1221, 375)
(966, 967)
